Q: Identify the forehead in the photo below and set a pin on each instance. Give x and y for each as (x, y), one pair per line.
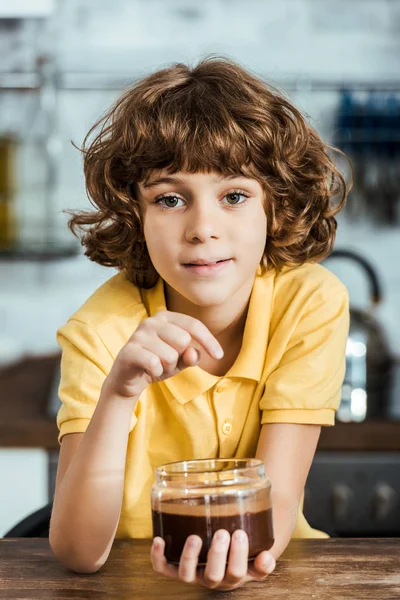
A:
(159, 176)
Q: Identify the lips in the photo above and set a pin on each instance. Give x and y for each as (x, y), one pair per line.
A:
(205, 262)
(202, 268)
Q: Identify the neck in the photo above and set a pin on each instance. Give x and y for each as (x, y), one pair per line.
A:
(225, 321)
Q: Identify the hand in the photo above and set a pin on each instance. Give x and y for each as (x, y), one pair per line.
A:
(215, 575)
(159, 348)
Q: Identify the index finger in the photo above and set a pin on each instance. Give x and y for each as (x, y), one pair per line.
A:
(197, 330)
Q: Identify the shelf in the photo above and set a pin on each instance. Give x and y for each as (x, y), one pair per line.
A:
(39, 253)
(26, 9)
(19, 81)
(90, 80)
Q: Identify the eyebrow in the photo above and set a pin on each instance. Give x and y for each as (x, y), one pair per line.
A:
(170, 179)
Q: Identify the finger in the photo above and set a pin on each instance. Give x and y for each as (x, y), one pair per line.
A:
(141, 358)
(159, 562)
(216, 559)
(167, 355)
(263, 565)
(238, 558)
(189, 559)
(174, 336)
(197, 330)
(180, 340)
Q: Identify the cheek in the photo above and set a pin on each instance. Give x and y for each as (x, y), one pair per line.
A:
(257, 236)
(152, 229)
(159, 238)
(256, 228)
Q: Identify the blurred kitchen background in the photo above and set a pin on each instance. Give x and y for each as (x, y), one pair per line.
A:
(62, 64)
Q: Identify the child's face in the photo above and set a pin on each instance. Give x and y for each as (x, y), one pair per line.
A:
(204, 216)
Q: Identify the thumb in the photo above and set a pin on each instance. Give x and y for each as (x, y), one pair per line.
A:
(264, 563)
(189, 358)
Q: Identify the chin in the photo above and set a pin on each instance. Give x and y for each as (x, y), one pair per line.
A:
(207, 298)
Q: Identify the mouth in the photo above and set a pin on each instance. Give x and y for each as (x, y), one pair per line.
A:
(207, 268)
(201, 263)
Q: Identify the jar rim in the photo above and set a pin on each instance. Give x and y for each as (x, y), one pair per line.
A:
(180, 468)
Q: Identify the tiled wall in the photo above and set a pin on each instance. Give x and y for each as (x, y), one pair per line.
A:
(281, 40)
(330, 40)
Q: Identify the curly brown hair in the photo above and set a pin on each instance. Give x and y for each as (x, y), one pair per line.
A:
(216, 116)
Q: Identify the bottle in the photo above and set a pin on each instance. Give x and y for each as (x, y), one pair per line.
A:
(7, 192)
(201, 496)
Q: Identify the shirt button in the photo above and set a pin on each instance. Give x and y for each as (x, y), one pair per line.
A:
(227, 427)
(222, 387)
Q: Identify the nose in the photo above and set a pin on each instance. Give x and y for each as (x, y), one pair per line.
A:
(202, 222)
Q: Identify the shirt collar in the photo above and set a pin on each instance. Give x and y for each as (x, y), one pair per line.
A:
(194, 381)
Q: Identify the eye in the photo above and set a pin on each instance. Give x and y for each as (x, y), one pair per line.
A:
(169, 201)
(235, 196)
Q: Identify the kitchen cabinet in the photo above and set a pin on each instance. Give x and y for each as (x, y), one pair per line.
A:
(356, 470)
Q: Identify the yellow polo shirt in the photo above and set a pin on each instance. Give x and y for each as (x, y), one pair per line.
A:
(289, 370)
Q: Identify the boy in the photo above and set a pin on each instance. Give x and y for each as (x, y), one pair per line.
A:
(220, 336)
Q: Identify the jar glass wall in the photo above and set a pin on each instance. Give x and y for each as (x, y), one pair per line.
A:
(201, 496)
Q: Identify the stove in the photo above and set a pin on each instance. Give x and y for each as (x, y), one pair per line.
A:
(354, 494)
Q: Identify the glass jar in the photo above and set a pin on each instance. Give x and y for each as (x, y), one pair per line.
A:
(201, 496)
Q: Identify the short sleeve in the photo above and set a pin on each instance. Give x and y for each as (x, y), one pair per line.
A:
(85, 363)
(305, 387)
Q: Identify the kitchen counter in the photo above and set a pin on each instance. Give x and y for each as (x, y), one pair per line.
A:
(368, 436)
(40, 431)
(25, 422)
(333, 569)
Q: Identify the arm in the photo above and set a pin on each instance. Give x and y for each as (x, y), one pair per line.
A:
(287, 451)
(91, 474)
(89, 488)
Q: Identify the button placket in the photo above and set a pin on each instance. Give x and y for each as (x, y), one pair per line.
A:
(222, 408)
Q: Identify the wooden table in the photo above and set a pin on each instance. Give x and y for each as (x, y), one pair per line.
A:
(331, 569)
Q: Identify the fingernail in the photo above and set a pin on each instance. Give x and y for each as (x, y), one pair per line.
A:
(240, 535)
(222, 536)
(268, 565)
(194, 542)
(156, 544)
(218, 352)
